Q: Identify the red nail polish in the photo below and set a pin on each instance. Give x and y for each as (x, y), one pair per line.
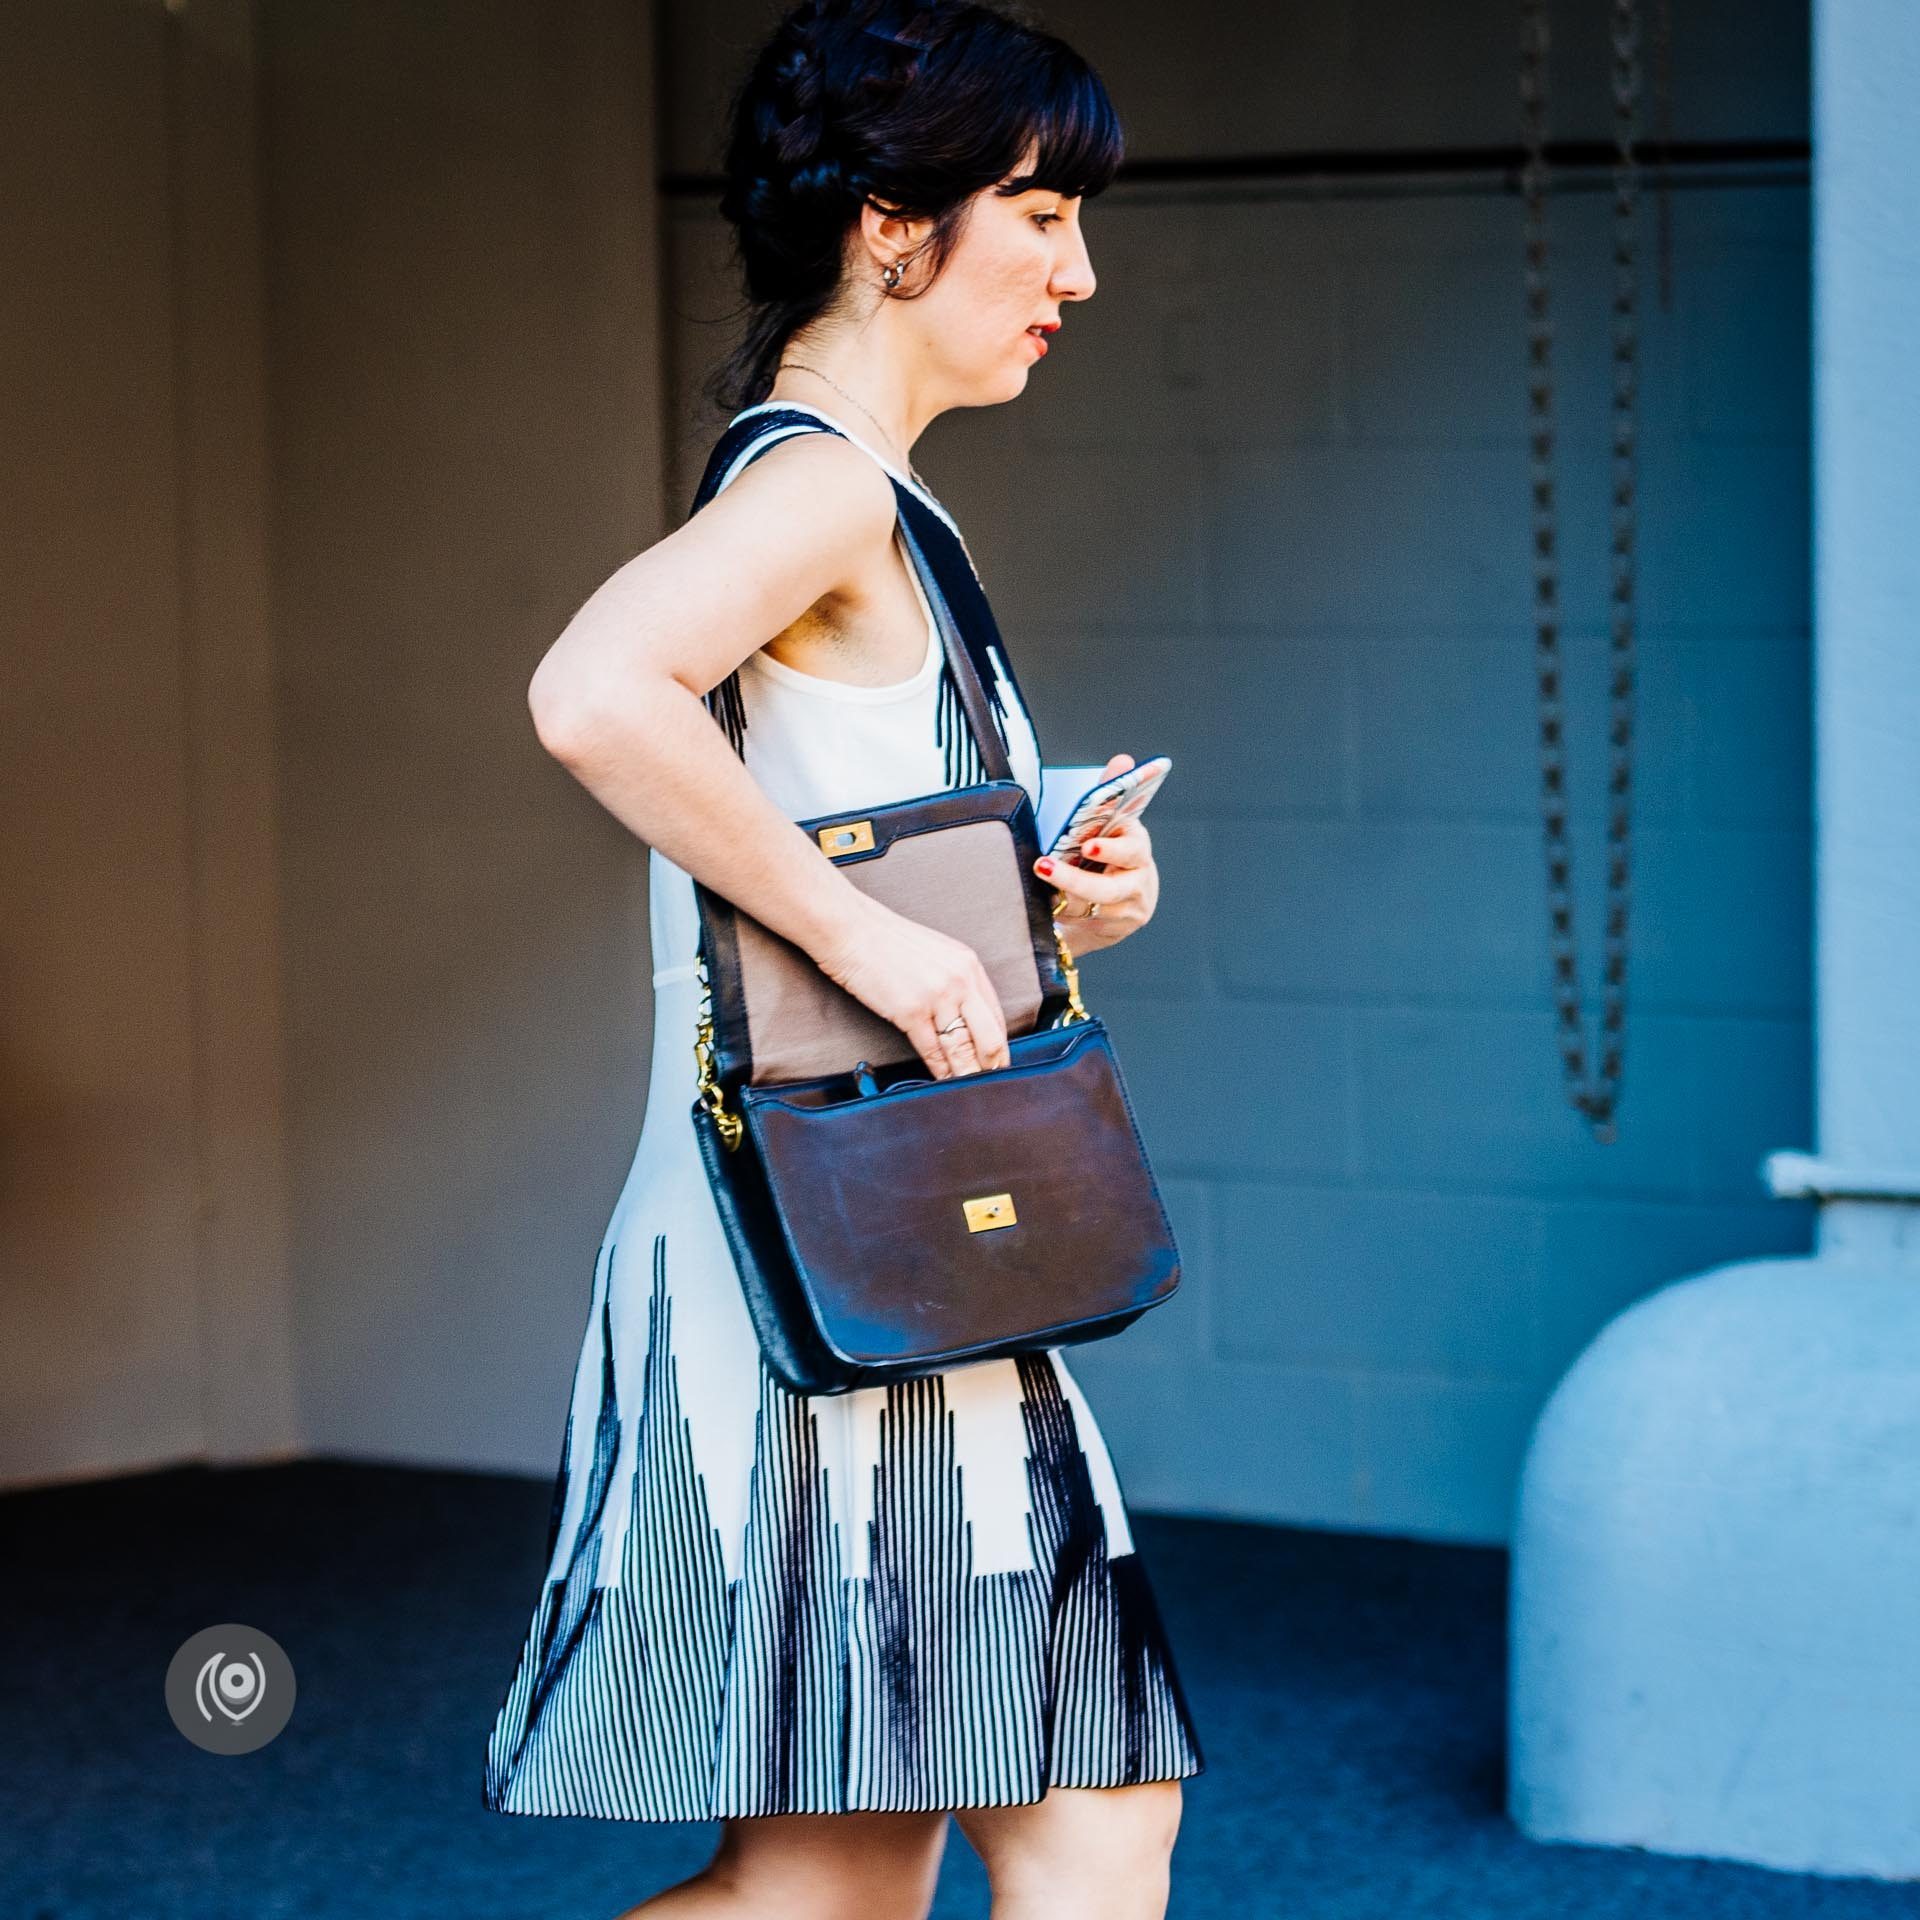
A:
(1044, 866)
(1093, 852)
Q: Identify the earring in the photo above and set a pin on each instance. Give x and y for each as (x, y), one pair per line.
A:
(890, 275)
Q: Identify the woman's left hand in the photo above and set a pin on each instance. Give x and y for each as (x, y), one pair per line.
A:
(1126, 893)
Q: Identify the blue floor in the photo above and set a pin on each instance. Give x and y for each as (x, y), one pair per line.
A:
(1348, 1689)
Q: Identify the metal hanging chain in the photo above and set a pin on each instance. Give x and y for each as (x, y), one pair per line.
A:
(1597, 1096)
(1663, 107)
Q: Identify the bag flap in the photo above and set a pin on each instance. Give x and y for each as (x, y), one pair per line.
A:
(960, 861)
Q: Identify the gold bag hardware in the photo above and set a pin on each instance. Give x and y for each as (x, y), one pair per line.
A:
(990, 1210)
(850, 836)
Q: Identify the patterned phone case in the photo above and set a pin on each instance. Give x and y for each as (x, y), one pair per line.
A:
(1124, 797)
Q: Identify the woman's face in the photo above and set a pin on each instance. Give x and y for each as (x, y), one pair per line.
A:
(984, 323)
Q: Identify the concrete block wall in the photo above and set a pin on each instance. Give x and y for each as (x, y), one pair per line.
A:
(1265, 508)
(460, 260)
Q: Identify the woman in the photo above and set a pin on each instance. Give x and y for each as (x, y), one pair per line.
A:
(829, 1621)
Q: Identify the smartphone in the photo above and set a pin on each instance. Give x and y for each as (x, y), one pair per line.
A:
(1123, 797)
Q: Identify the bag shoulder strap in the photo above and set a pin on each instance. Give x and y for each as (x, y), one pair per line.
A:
(961, 664)
(746, 438)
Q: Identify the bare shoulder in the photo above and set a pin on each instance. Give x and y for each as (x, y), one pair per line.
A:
(815, 481)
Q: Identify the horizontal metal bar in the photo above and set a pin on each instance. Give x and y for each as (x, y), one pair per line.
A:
(1566, 156)
(1803, 1176)
(1384, 163)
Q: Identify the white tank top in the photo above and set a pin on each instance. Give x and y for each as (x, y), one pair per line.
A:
(822, 746)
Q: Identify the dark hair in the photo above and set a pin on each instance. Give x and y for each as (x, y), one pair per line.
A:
(917, 103)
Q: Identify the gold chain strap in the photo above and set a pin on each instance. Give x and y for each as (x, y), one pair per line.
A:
(1075, 1010)
(729, 1124)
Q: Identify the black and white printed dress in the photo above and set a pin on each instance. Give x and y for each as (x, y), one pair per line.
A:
(912, 1596)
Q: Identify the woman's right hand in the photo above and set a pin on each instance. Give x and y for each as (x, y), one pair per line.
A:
(921, 979)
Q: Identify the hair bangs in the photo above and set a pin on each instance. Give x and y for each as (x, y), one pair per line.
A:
(1069, 123)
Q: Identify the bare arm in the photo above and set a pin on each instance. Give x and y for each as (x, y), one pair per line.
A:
(619, 701)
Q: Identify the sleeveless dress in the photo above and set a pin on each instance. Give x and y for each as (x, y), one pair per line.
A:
(912, 1596)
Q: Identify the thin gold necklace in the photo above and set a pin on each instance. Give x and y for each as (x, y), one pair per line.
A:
(886, 439)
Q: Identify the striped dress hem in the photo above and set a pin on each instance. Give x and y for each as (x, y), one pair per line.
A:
(674, 1694)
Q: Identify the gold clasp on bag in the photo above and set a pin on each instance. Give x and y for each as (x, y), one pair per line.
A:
(850, 836)
(728, 1125)
(990, 1210)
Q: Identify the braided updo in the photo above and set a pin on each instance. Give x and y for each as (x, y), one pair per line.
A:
(919, 104)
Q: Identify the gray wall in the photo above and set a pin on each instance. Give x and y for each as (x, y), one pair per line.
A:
(461, 256)
(1265, 509)
(144, 1281)
(331, 377)
(322, 450)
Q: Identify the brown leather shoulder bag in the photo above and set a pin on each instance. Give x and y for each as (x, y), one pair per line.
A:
(885, 1224)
